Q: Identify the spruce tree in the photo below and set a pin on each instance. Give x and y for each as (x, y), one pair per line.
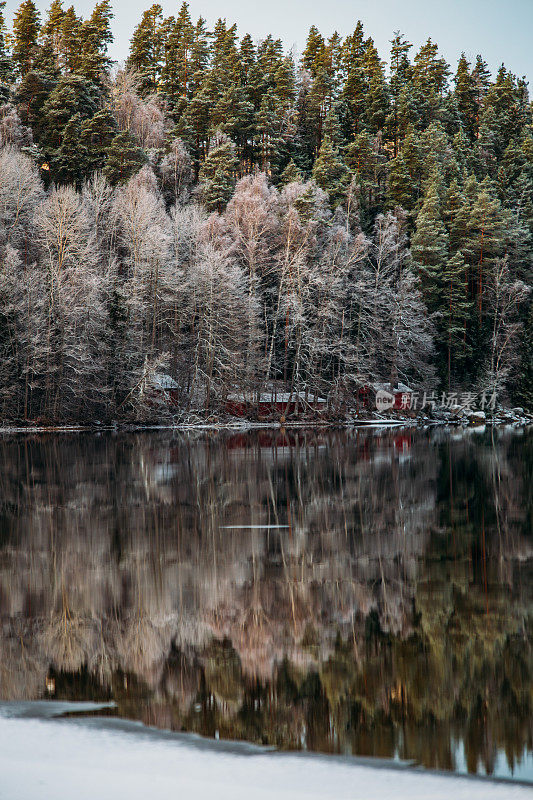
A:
(454, 319)
(465, 94)
(401, 190)
(399, 82)
(485, 240)
(330, 172)
(70, 160)
(124, 158)
(97, 133)
(217, 175)
(291, 174)
(429, 247)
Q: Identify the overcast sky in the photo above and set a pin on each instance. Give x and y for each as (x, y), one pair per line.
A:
(501, 30)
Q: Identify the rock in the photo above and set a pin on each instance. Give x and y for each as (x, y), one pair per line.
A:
(476, 417)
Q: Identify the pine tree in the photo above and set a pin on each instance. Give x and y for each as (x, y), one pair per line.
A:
(485, 240)
(6, 69)
(146, 50)
(26, 26)
(70, 160)
(455, 317)
(71, 95)
(401, 189)
(47, 60)
(291, 174)
(429, 247)
(96, 37)
(366, 161)
(456, 216)
(330, 172)
(176, 73)
(71, 42)
(353, 94)
(502, 116)
(124, 158)
(97, 133)
(314, 55)
(465, 93)
(399, 81)
(429, 80)
(377, 106)
(217, 175)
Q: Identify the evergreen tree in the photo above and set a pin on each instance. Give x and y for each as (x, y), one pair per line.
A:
(485, 242)
(146, 50)
(176, 73)
(97, 133)
(377, 107)
(72, 95)
(429, 247)
(399, 82)
(401, 190)
(124, 158)
(330, 172)
(429, 79)
(6, 70)
(71, 48)
(465, 94)
(217, 175)
(32, 93)
(291, 174)
(26, 26)
(69, 163)
(454, 318)
(96, 37)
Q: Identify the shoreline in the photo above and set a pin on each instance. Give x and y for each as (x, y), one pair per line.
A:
(250, 425)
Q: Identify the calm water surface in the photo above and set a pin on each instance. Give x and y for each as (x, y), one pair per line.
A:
(357, 592)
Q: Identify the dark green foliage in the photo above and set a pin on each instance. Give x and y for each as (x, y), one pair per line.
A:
(26, 26)
(330, 172)
(124, 158)
(217, 175)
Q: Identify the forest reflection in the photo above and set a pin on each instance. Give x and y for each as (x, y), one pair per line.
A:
(366, 592)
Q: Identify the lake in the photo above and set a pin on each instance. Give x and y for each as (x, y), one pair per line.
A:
(365, 591)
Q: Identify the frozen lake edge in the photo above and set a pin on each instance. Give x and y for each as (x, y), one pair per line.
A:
(48, 755)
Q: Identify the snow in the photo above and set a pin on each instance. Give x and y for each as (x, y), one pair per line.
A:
(276, 397)
(87, 758)
(163, 382)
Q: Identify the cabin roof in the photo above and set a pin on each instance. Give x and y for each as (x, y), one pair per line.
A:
(274, 397)
(163, 382)
(385, 386)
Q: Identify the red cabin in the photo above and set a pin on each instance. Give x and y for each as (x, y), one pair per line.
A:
(385, 397)
(275, 404)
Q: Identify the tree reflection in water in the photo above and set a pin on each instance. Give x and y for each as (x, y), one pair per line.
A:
(353, 591)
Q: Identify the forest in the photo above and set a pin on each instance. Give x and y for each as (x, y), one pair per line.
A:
(236, 217)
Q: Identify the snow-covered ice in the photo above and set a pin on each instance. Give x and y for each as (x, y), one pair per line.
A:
(42, 758)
